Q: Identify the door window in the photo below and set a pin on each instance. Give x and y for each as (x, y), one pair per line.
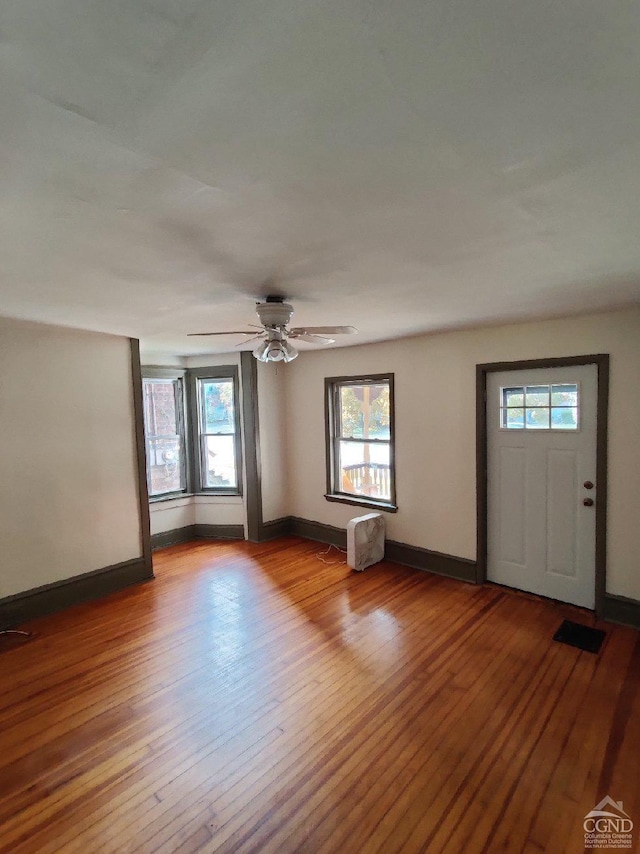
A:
(555, 406)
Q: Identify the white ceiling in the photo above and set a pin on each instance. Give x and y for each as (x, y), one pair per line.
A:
(402, 167)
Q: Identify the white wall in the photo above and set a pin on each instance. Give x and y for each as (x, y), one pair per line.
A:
(435, 429)
(219, 510)
(171, 514)
(68, 478)
(213, 360)
(195, 510)
(272, 420)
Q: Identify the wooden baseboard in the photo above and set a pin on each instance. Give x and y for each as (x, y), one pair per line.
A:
(194, 532)
(220, 532)
(441, 564)
(620, 609)
(173, 537)
(276, 528)
(413, 556)
(54, 597)
(319, 532)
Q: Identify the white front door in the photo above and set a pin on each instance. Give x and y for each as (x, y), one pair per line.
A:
(541, 468)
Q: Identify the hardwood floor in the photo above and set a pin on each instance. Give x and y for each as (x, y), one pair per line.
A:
(255, 699)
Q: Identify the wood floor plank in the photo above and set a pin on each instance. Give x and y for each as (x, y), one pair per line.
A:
(254, 698)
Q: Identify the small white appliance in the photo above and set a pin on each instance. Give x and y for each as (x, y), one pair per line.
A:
(365, 541)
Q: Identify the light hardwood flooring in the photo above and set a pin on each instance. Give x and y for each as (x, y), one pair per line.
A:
(254, 698)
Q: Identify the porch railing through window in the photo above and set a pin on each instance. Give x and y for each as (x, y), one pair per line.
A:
(373, 479)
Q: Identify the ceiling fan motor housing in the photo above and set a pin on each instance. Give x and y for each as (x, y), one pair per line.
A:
(274, 313)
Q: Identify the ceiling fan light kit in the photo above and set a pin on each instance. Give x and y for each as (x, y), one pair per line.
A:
(275, 350)
(275, 314)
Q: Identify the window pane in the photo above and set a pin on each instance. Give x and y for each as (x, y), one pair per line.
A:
(351, 419)
(545, 407)
(163, 433)
(164, 460)
(537, 395)
(365, 411)
(364, 469)
(513, 419)
(220, 461)
(537, 419)
(564, 395)
(160, 415)
(217, 403)
(565, 418)
(513, 396)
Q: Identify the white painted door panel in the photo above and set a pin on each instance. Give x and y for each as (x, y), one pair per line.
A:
(541, 537)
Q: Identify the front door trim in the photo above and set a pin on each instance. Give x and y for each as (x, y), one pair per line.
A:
(601, 360)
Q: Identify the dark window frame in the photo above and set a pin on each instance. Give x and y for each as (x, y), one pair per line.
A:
(333, 436)
(177, 377)
(194, 378)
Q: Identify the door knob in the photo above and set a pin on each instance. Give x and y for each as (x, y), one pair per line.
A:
(588, 502)
(587, 484)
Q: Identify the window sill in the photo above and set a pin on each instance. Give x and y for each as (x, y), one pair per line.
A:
(387, 506)
(176, 496)
(213, 494)
(168, 496)
(227, 493)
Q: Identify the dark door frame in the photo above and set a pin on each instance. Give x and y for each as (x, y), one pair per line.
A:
(601, 360)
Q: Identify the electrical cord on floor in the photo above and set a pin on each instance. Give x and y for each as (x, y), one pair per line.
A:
(15, 633)
(320, 556)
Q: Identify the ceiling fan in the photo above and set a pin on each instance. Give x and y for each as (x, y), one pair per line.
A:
(274, 346)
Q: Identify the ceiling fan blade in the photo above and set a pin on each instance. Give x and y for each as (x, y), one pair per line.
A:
(312, 339)
(323, 330)
(234, 332)
(248, 340)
